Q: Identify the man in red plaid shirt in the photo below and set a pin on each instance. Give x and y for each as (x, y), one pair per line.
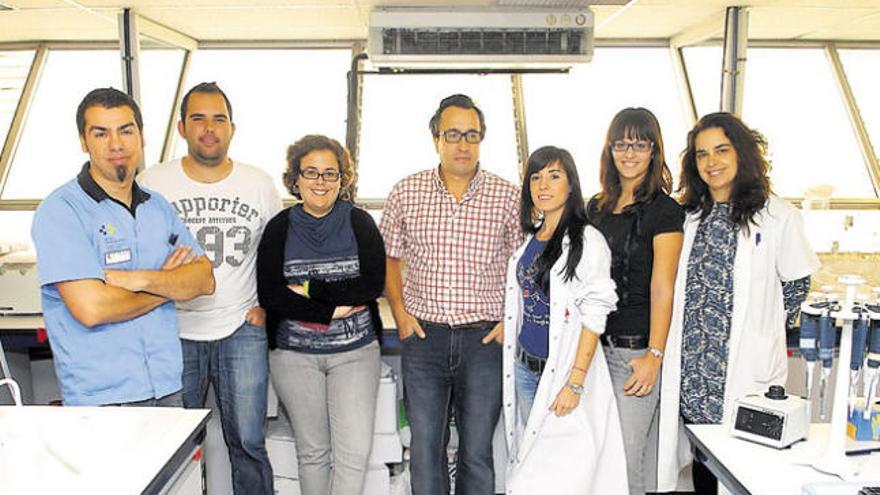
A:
(454, 227)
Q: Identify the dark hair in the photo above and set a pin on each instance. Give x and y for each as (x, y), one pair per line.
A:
(633, 123)
(571, 223)
(205, 87)
(107, 98)
(751, 186)
(460, 101)
(317, 142)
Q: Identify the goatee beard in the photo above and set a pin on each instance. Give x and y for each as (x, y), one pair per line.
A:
(121, 173)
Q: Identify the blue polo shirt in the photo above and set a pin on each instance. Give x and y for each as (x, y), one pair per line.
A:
(79, 231)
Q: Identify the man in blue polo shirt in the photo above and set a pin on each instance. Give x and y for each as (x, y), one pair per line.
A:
(112, 258)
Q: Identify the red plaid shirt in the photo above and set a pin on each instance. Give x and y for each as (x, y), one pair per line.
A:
(456, 252)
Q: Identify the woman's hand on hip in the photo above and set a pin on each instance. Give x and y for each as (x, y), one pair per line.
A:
(646, 369)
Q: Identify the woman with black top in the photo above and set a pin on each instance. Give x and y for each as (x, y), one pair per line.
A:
(643, 227)
(320, 268)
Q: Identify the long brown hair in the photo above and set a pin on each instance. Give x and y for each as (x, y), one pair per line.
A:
(751, 186)
(633, 123)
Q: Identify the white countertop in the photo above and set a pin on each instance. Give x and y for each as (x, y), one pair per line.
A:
(19, 322)
(764, 470)
(92, 450)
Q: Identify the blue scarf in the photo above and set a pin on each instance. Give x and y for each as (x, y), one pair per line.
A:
(311, 238)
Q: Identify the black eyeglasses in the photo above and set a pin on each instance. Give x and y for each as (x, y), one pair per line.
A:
(637, 146)
(453, 136)
(313, 174)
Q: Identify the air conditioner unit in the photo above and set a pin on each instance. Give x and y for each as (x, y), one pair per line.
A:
(488, 37)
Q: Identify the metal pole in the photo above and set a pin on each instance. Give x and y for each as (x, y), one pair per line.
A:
(129, 46)
(736, 38)
(171, 129)
(855, 117)
(519, 121)
(683, 82)
(16, 127)
(355, 100)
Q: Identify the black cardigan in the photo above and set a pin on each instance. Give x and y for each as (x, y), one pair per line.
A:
(280, 302)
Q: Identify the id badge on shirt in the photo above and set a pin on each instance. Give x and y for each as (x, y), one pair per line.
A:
(117, 257)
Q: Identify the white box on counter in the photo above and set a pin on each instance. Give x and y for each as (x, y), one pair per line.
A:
(281, 448)
(386, 405)
(387, 449)
(377, 481)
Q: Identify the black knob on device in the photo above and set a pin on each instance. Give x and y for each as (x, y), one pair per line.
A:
(776, 392)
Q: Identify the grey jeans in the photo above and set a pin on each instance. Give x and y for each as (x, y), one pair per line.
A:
(331, 401)
(636, 414)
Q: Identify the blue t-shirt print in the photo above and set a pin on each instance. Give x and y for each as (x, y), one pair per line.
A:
(533, 335)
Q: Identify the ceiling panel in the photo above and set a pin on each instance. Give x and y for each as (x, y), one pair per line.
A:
(347, 19)
(282, 23)
(56, 24)
(866, 27)
(796, 23)
(651, 21)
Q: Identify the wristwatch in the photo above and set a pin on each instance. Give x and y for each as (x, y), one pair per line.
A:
(657, 353)
(574, 387)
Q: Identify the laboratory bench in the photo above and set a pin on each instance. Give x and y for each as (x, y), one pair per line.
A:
(97, 450)
(745, 467)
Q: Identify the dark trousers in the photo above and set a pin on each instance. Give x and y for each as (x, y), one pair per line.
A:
(452, 365)
(705, 483)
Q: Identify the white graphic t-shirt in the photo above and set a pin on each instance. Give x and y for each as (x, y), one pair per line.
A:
(227, 218)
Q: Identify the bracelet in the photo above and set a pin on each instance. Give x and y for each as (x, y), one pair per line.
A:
(306, 289)
(657, 353)
(574, 387)
(582, 370)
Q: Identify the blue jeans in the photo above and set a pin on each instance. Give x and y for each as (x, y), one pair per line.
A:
(238, 368)
(452, 365)
(526, 386)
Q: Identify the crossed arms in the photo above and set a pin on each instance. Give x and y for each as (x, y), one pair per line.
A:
(127, 294)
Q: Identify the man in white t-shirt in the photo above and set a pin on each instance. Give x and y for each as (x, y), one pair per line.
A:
(225, 205)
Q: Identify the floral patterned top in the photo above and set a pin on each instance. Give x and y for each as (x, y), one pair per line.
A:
(708, 311)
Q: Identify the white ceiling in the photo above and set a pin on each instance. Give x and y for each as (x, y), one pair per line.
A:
(210, 20)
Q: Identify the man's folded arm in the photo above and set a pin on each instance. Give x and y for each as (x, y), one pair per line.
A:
(182, 283)
(92, 302)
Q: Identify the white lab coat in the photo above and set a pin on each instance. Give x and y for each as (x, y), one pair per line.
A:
(774, 250)
(581, 453)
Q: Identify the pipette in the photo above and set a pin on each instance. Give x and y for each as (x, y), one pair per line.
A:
(827, 337)
(857, 358)
(873, 361)
(809, 334)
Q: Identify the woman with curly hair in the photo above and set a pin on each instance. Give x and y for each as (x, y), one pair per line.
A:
(745, 266)
(320, 269)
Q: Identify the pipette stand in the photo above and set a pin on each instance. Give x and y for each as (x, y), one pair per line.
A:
(834, 460)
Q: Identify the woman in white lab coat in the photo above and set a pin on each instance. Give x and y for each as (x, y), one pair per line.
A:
(745, 263)
(562, 426)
